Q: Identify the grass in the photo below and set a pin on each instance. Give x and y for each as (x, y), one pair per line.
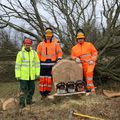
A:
(8, 89)
(59, 109)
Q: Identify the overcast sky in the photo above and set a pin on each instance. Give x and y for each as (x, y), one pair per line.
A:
(45, 14)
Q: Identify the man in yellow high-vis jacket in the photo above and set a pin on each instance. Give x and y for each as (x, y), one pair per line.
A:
(27, 70)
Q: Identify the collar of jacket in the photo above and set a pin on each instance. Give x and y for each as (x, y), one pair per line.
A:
(81, 43)
(23, 48)
(51, 39)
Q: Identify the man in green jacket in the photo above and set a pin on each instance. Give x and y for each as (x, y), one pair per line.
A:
(27, 70)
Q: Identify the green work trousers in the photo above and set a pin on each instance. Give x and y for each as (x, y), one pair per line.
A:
(27, 89)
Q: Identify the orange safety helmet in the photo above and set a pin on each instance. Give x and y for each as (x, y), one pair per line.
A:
(80, 35)
(27, 41)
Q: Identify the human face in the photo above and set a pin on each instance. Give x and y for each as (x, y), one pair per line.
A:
(27, 46)
(80, 40)
(48, 37)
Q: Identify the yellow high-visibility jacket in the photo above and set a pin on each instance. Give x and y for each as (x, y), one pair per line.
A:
(27, 65)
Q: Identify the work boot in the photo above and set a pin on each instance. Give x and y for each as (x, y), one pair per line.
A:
(30, 102)
(91, 93)
(21, 106)
(22, 103)
(43, 97)
(88, 91)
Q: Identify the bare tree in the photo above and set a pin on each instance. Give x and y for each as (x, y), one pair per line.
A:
(8, 47)
(24, 12)
(109, 43)
(66, 17)
(71, 12)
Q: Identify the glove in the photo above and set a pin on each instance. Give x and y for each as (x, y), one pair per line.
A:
(91, 62)
(58, 60)
(77, 60)
(37, 77)
(18, 78)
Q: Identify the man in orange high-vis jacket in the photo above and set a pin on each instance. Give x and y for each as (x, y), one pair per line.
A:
(86, 53)
(49, 52)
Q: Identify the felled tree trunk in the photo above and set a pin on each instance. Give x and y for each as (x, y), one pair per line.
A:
(111, 93)
(67, 70)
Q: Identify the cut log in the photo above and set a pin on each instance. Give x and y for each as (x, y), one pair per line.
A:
(1, 103)
(111, 93)
(10, 103)
(67, 70)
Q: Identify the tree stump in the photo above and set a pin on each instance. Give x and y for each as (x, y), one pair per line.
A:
(67, 70)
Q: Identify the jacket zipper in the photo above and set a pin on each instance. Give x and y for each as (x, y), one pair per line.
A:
(29, 65)
(46, 51)
(81, 50)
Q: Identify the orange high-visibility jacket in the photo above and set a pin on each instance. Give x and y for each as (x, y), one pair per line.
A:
(54, 40)
(49, 50)
(85, 51)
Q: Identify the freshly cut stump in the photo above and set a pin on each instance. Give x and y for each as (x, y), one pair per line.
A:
(10, 103)
(67, 70)
(111, 94)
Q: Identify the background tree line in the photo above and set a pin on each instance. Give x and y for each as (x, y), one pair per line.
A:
(66, 17)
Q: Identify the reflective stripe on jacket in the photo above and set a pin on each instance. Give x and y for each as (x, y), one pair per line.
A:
(85, 51)
(27, 65)
(49, 50)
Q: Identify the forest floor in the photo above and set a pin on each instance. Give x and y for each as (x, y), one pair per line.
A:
(61, 107)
